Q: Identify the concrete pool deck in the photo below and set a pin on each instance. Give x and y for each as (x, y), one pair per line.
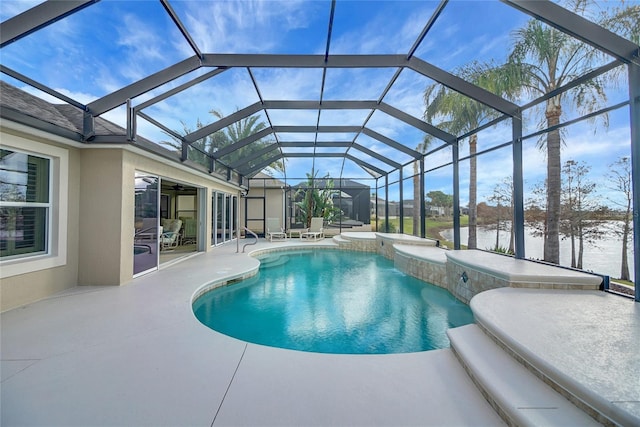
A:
(136, 355)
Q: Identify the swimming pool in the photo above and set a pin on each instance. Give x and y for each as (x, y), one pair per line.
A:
(333, 301)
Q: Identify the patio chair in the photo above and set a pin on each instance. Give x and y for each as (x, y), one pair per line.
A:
(190, 230)
(316, 229)
(170, 237)
(274, 229)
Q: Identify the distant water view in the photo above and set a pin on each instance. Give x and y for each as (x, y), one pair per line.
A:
(603, 257)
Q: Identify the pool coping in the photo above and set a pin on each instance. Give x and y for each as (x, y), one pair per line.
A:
(136, 354)
(236, 278)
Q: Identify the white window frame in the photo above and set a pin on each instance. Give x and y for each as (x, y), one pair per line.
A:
(57, 218)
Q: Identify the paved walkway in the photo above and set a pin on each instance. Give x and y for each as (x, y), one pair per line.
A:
(136, 355)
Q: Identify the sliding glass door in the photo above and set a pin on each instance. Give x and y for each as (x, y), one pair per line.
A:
(224, 223)
(145, 244)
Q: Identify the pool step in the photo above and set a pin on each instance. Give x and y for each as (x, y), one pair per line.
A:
(274, 261)
(341, 241)
(519, 396)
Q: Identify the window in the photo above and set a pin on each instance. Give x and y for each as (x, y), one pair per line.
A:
(34, 205)
(25, 203)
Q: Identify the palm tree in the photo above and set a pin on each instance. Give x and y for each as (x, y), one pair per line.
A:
(236, 132)
(460, 114)
(545, 59)
(201, 149)
(422, 148)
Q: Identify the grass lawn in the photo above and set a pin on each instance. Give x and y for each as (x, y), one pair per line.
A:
(434, 226)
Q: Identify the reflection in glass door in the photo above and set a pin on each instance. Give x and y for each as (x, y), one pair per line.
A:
(234, 217)
(219, 235)
(227, 216)
(254, 210)
(145, 244)
(224, 222)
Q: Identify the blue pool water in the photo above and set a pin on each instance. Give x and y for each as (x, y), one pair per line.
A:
(332, 301)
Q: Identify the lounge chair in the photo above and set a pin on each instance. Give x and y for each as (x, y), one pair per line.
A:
(170, 237)
(316, 230)
(189, 231)
(274, 229)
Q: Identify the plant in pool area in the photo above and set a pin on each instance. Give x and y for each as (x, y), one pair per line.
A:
(316, 202)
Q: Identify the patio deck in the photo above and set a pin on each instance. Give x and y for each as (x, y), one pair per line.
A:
(136, 355)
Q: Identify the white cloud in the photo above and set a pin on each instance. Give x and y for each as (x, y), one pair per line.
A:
(293, 117)
(392, 28)
(10, 8)
(289, 83)
(245, 26)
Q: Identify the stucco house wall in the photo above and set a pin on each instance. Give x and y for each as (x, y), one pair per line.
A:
(27, 280)
(98, 207)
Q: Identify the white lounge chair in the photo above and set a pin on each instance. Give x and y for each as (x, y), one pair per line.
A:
(316, 229)
(274, 230)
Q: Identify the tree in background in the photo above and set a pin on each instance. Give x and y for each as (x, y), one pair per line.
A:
(440, 200)
(502, 196)
(578, 209)
(422, 148)
(201, 149)
(205, 147)
(315, 202)
(459, 114)
(620, 181)
(544, 59)
(536, 209)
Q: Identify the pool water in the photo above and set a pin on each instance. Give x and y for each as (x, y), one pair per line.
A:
(332, 301)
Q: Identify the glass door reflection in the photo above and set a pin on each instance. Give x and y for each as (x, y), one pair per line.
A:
(146, 228)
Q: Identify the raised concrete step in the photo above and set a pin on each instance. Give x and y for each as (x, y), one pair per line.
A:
(522, 398)
(340, 241)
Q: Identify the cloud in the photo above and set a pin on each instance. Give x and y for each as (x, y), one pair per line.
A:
(245, 26)
(82, 97)
(343, 117)
(12, 8)
(378, 27)
(356, 83)
(407, 93)
(289, 83)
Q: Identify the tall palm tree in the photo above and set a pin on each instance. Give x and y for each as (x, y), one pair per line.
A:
(545, 59)
(235, 132)
(422, 148)
(459, 114)
(238, 131)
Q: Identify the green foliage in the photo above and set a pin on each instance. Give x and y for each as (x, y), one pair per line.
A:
(544, 59)
(315, 202)
(501, 250)
(455, 112)
(440, 199)
(382, 227)
(203, 148)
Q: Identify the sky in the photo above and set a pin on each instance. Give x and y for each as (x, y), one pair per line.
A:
(112, 44)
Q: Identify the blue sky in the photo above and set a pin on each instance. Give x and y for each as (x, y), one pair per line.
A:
(115, 43)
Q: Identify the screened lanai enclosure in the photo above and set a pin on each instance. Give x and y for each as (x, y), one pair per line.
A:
(510, 126)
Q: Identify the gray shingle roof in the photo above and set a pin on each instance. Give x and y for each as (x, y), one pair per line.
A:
(65, 116)
(20, 101)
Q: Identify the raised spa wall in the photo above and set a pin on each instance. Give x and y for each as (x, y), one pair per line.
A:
(465, 273)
